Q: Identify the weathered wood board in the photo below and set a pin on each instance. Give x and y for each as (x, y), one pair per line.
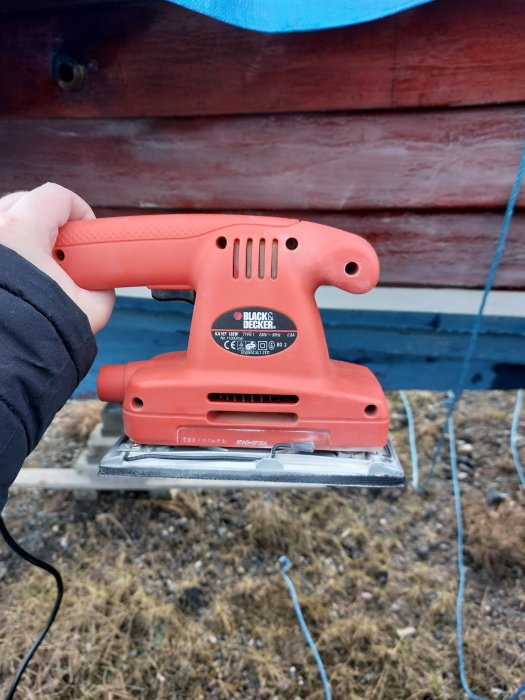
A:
(462, 158)
(181, 112)
(150, 58)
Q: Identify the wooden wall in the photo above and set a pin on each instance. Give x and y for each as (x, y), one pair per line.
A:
(407, 130)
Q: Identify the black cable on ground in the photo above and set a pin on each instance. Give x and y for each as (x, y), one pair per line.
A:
(13, 544)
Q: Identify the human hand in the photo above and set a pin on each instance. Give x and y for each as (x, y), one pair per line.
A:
(29, 223)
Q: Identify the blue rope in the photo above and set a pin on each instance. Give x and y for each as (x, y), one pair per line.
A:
(461, 570)
(284, 565)
(519, 692)
(514, 436)
(467, 360)
(461, 566)
(411, 440)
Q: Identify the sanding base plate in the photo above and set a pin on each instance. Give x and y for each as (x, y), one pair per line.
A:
(249, 468)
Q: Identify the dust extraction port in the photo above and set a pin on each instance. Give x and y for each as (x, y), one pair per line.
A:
(254, 398)
(252, 418)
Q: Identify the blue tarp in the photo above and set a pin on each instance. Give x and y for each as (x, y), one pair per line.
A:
(297, 15)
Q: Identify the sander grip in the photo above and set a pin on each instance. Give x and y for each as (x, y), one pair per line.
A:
(179, 251)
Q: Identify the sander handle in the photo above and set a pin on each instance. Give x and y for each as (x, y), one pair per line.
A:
(185, 251)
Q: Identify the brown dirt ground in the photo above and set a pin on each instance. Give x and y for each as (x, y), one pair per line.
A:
(182, 598)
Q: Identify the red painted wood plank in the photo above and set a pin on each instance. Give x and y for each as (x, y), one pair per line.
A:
(402, 160)
(426, 249)
(151, 58)
(439, 250)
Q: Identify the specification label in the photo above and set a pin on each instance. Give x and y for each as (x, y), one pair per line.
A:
(254, 331)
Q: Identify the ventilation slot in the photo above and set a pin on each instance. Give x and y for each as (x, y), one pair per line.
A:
(275, 255)
(236, 246)
(254, 398)
(250, 262)
(262, 250)
(249, 248)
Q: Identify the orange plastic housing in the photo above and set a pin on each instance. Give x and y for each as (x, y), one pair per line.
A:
(257, 370)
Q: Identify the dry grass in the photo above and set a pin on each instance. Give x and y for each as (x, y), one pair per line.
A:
(183, 598)
(81, 418)
(63, 440)
(495, 539)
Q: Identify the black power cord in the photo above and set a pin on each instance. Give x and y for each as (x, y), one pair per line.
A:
(13, 544)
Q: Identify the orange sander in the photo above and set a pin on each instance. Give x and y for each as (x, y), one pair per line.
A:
(255, 399)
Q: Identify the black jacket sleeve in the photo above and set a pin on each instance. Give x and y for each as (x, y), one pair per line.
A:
(46, 348)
